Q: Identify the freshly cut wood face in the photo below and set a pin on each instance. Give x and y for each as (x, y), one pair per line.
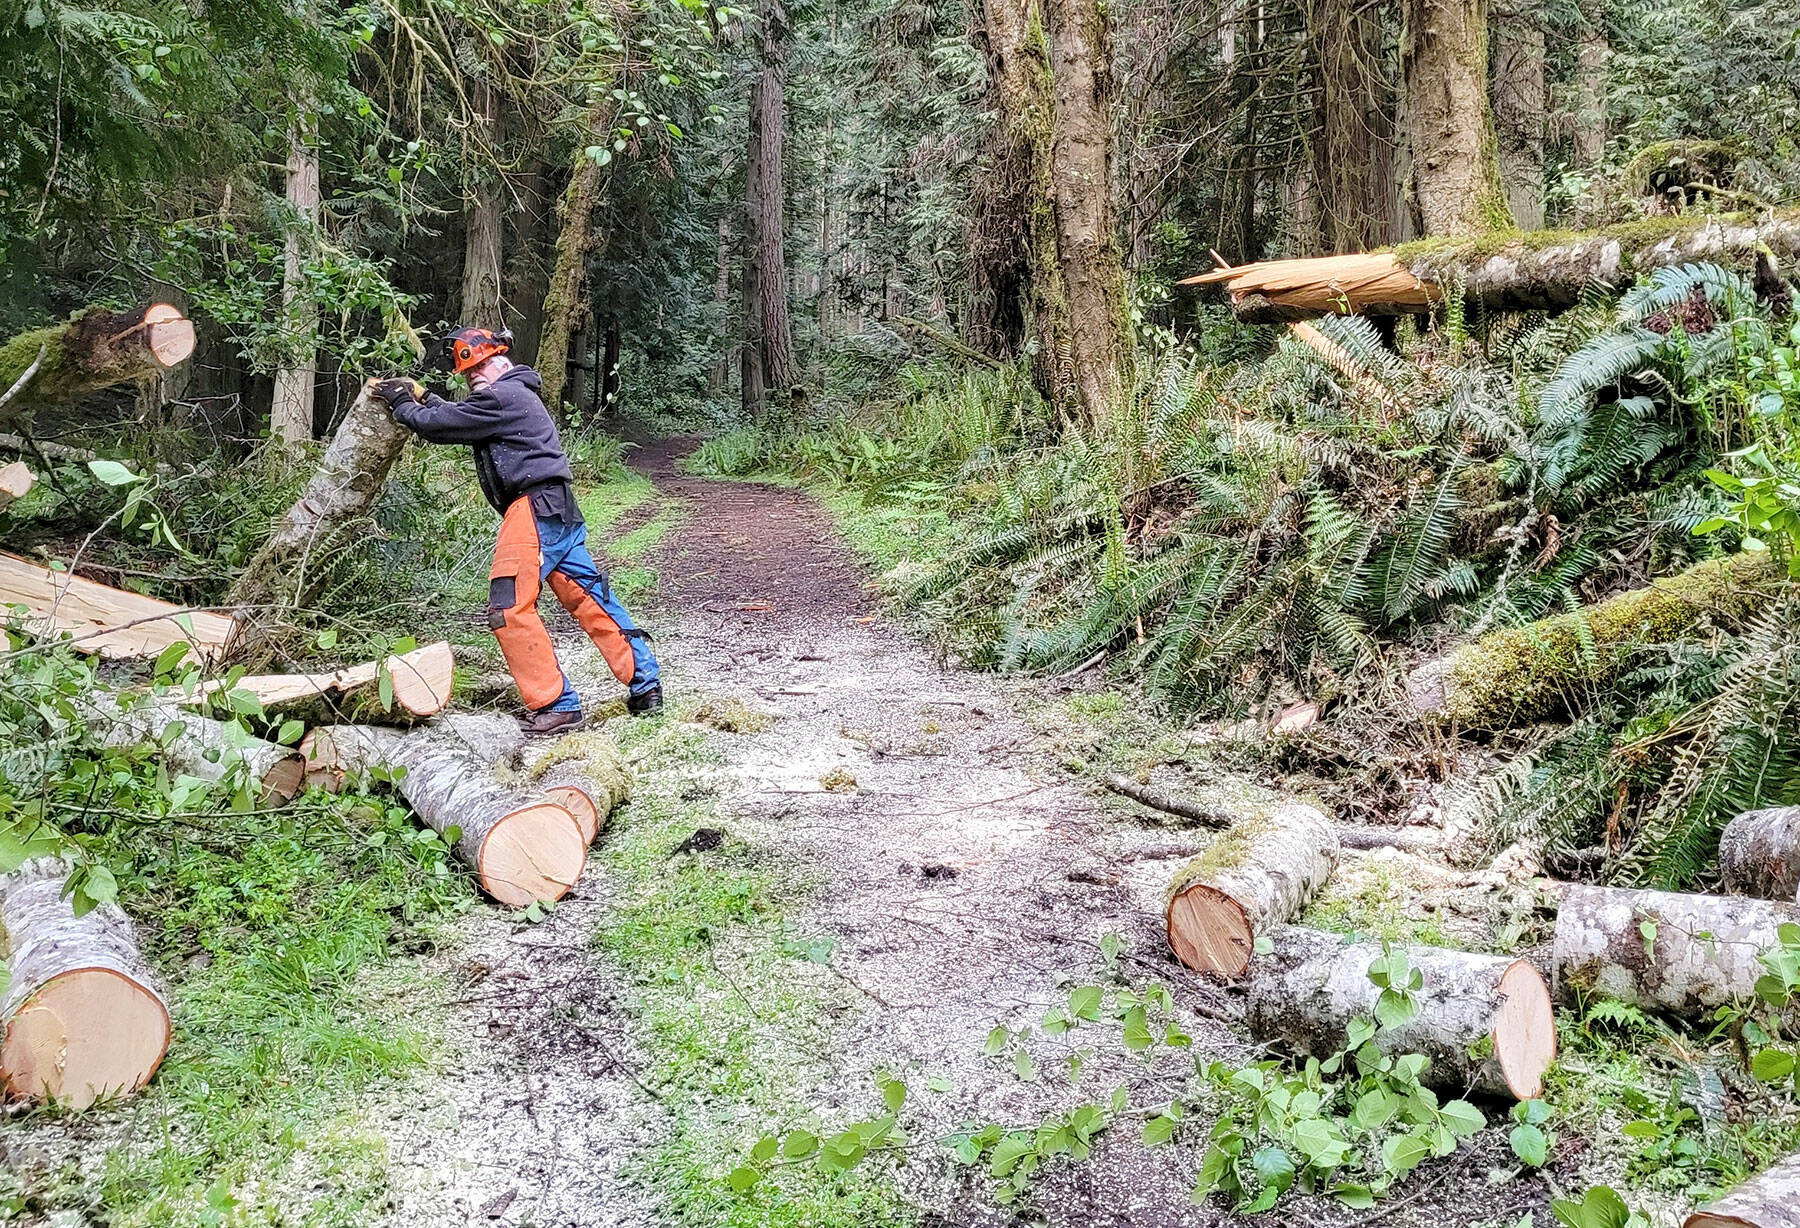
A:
(422, 682)
(580, 805)
(86, 1035)
(1524, 1030)
(1209, 931)
(106, 620)
(168, 335)
(534, 853)
(15, 483)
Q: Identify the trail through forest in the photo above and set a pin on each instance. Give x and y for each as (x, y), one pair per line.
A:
(961, 880)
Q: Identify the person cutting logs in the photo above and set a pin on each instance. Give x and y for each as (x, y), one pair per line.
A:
(525, 475)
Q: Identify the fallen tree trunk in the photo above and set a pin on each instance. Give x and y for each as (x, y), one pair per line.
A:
(1682, 954)
(1759, 854)
(208, 749)
(1770, 1200)
(1536, 271)
(1256, 875)
(522, 850)
(93, 349)
(1416, 838)
(109, 621)
(292, 564)
(420, 683)
(16, 482)
(1485, 1021)
(586, 773)
(1521, 674)
(83, 1020)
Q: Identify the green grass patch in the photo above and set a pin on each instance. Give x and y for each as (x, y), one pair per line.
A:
(273, 933)
(734, 1011)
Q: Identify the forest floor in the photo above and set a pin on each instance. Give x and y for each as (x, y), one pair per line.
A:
(845, 864)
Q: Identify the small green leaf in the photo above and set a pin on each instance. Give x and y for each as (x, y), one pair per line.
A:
(799, 1145)
(1463, 1118)
(112, 473)
(1137, 1035)
(1159, 1130)
(743, 1179)
(893, 1094)
(1530, 1144)
(1772, 1065)
(996, 1041)
(765, 1149)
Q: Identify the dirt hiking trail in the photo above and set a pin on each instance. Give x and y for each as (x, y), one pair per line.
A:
(965, 879)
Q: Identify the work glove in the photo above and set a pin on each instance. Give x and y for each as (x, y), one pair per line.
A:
(397, 392)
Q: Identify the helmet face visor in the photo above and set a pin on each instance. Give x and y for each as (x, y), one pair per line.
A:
(470, 347)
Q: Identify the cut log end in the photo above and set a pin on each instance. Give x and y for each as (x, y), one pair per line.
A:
(1209, 931)
(283, 781)
(423, 679)
(1524, 1030)
(531, 855)
(87, 1034)
(581, 806)
(168, 336)
(1770, 1199)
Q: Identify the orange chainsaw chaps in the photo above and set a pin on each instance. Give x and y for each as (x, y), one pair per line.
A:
(512, 609)
(598, 624)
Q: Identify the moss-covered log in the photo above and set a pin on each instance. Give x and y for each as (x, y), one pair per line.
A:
(1256, 875)
(1759, 854)
(1771, 1200)
(1680, 954)
(1485, 1021)
(93, 349)
(1522, 674)
(1542, 270)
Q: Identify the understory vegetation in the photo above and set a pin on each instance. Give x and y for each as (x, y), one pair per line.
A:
(1292, 528)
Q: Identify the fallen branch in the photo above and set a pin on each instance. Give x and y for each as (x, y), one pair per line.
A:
(419, 686)
(1257, 875)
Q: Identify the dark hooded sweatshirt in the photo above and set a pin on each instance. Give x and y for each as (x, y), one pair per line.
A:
(517, 450)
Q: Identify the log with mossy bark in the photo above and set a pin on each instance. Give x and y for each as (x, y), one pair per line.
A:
(82, 1018)
(210, 750)
(1521, 674)
(1769, 1200)
(1505, 271)
(586, 773)
(1680, 954)
(1484, 1021)
(1759, 854)
(418, 685)
(93, 349)
(1256, 875)
(296, 560)
(523, 849)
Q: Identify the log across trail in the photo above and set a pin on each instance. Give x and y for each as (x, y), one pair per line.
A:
(1256, 875)
(1485, 1021)
(1682, 954)
(83, 1019)
(1771, 1200)
(523, 849)
(419, 685)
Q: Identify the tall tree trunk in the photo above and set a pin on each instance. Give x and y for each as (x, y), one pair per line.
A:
(1352, 135)
(1587, 143)
(481, 221)
(291, 412)
(1456, 173)
(565, 309)
(526, 270)
(719, 378)
(1009, 218)
(1248, 245)
(766, 280)
(1519, 110)
(613, 341)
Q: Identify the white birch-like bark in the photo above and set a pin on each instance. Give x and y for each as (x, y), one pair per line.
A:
(1759, 854)
(1771, 1200)
(206, 749)
(1256, 875)
(1683, 954)
(1485, 1021)
(82, 1017)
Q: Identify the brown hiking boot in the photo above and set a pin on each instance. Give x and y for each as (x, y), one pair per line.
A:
(547, 722)
(648, 703)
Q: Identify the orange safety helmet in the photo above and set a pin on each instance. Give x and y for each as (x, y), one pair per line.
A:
(470, 346)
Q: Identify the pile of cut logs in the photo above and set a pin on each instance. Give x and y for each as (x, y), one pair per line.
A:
(82, 1018)
(1485, 1021)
